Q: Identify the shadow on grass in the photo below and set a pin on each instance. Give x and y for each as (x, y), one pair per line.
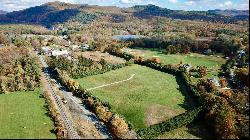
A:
(199, 128)
(189, 102)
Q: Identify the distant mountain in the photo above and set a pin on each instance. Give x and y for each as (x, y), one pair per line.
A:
(2, 12)
(59, 12)
(47, 14)
(147, 11)
(230, 12)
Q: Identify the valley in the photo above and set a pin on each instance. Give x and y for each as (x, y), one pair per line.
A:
(79, 71)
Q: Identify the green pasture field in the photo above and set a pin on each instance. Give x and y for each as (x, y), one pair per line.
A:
(148, 98)
(212, 62)
(23, 115)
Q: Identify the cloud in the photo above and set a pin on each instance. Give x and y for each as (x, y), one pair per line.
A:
(127, 1)
(151, 2)
(173, 1)
(189, 3)
(228, 3)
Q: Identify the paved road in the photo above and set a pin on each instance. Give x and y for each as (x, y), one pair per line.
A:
(68, 124)
(87, 115)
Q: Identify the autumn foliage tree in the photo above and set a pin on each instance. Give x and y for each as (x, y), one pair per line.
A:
(242, 74)
(223, 82)
(4, 39)
(202, 71)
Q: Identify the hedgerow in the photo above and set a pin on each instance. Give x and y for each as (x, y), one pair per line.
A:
(168, 125)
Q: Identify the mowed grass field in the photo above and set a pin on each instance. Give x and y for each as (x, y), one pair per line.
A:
(149, 98)
(24, 109)
(212, 62)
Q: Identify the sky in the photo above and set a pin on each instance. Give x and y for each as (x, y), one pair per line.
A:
(201, 5)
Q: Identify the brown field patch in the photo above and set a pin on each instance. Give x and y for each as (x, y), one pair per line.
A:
(134, 51)
(157, 113)
(97, 56)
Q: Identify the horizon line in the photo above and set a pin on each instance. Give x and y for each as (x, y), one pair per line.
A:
(121, 7)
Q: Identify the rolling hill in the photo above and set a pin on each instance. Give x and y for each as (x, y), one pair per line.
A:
(59, 12)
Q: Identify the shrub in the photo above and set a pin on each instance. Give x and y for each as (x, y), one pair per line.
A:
(103, 113)
(119, 128)
(223, 82)
(171, 124)
(59, 129)
(155, 60)
(202, 71)
(226, 94)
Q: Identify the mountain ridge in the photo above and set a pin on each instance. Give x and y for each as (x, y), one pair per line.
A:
(59, 12)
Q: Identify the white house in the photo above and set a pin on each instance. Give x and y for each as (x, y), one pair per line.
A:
(64, 53)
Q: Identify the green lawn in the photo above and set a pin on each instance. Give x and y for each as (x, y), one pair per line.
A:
(212, 62)
(150, 97)
(24, 109)
(193, 58)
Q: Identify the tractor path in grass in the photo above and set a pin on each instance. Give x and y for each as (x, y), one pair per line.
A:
(105, 85)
